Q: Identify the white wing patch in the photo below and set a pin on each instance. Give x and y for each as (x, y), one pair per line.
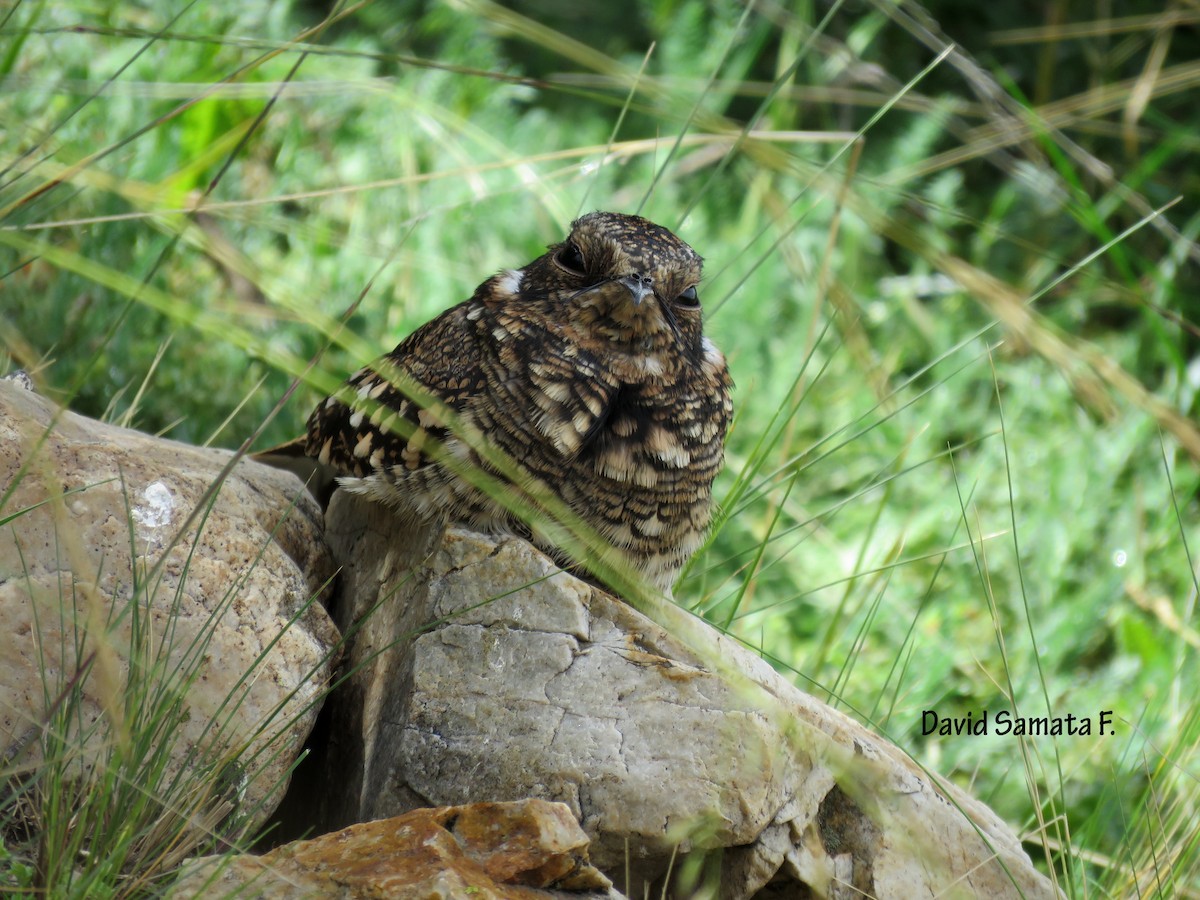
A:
(714, 359)
(510, 280)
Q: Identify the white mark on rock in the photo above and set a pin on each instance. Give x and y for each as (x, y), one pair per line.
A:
(156, 508)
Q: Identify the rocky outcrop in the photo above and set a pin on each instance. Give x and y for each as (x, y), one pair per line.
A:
(481, 672)
(138, 574)
(138, 580)
(486, 851)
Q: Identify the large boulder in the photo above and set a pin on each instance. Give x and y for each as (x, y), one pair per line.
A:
(482, 673)
(152, 603)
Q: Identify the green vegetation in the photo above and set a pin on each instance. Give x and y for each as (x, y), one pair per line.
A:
(956, 284)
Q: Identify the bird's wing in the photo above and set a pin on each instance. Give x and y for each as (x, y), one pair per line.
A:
(373, 424)
(549, 384)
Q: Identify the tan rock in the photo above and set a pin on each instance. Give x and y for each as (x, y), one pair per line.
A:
(526, 850)
(94, 569)
(485, 674)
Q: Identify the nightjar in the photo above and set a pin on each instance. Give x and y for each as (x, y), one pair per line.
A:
(588, 367)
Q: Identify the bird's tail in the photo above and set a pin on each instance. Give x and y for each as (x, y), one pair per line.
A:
(321, 480)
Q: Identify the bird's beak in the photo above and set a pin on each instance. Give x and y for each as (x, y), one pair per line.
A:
(639, 287)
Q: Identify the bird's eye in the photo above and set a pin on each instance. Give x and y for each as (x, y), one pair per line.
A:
(688, 297)
(571, 259)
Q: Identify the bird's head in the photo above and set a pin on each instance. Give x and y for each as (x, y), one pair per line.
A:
(621, 278)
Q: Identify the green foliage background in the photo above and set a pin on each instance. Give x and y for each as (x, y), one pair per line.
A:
(963, 472)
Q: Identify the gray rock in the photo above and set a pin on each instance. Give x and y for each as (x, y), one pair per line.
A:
(93, 569)
(485, 674)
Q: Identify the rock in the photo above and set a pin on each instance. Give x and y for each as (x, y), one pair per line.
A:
(484, 673)
(222, 620)
(527, 850)
(19, 378)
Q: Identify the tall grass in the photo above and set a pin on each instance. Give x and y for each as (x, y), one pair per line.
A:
(947, 258)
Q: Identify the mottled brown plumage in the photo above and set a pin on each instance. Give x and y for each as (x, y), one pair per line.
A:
(588, 367)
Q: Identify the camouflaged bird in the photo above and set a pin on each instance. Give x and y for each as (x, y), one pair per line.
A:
(588, 367)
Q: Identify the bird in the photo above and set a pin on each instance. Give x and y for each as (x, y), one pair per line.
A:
(588, 368)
